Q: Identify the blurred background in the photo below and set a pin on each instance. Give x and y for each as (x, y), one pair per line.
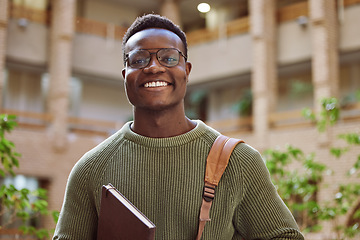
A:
(256, 65)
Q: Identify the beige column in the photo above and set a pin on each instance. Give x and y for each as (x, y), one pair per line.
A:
(325, 62)
(3, 33)
(325, 76)
(171, 10)
(62, 30)
(264, 67)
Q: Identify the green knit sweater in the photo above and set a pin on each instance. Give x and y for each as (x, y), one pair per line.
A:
(164, 178)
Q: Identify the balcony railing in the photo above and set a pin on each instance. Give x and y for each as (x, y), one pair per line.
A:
(281, 120)
(233, 125)
(277, 120)
(104, 30)
(40, 121)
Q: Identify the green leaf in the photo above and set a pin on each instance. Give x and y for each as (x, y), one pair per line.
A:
(308, 114)
(351, 138)
(337, 152)
(55, 215)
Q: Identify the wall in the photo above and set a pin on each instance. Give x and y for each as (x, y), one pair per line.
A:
(93, 55)
(104, 102)
(27, 44)
(349, 29)
(110, 12)
(220, 59)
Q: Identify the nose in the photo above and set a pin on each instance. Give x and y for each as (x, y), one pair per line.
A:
(154, 66)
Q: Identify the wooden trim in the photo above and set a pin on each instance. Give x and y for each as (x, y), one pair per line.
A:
(351, 2)
(92, 122)
(32, 115)
(88, 26)
(232, 125)
(288, 119)
(10, 234)
(345, 116)
(293, 11)
(279, 116)
(241, 25)
(80, 125)
(35, 15)
(277, 120)
(3, 24)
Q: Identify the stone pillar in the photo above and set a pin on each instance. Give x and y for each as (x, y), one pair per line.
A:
(62, 31)
(325, 76)
(3, 33)
(264, 67)
(325, 62)
(171, 10)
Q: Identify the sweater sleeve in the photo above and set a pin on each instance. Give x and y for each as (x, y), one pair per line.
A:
(262, 214)
(78, 216)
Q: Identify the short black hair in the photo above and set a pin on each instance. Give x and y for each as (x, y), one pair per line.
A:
(153, 21)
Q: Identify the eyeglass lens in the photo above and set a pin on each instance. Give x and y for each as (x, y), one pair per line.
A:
(168, 57)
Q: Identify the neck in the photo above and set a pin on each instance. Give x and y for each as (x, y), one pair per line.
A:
(161, 124)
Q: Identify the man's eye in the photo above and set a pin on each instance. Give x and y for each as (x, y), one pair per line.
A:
(168, 60)
(138, 61)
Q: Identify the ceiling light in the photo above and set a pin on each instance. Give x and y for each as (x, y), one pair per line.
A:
(203, 7)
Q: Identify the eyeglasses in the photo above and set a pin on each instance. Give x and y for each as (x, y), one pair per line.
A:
(168, 57)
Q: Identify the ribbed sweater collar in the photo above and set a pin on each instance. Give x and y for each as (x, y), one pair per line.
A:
(193, 134)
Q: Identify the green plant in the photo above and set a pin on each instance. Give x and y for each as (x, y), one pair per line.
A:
(244, 106)
(195, 104)
(8, 155)
(19, 205)
(328, 116)
(299, 188)
(299, 89)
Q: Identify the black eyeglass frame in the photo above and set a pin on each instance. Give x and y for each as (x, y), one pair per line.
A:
(151, 53)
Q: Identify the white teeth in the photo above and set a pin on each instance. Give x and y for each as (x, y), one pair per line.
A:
(155, 84)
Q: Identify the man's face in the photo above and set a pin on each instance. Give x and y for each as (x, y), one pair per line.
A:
(156, 87)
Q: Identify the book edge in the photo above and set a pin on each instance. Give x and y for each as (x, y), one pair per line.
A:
(129, 205)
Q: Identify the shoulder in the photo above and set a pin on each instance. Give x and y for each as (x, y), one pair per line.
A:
(248, 163)
(245, 152)
(247, 159)
(93, 161)
(242, 154)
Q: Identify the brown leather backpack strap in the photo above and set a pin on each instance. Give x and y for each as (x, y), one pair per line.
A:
(216, 163)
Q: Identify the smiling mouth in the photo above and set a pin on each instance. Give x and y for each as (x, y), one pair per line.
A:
(156, 84)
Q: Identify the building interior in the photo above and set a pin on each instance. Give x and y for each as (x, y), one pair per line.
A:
(256, 65)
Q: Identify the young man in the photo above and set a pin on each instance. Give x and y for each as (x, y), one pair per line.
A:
(158, 160)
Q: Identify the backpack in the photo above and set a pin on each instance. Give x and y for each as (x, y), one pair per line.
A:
(216, 163)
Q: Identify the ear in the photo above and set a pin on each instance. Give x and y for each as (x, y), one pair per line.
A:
(188, 67)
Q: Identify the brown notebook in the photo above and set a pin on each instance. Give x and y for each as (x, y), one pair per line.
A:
(120, 220)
